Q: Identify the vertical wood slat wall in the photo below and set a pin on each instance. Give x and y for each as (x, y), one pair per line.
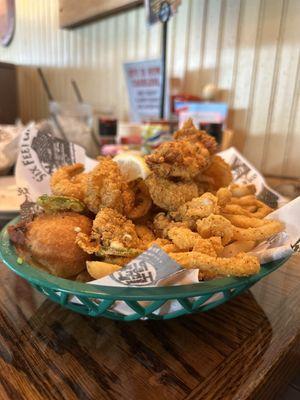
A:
(249, 48)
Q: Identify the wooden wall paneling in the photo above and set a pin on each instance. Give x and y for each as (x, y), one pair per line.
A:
(285, 76)
(212, 37)
(246, 60)
(291, 164)
(264, 78)
(196, 21)
(227, 69)
(180, 41)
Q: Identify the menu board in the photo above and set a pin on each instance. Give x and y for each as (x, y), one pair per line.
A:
(144, 84)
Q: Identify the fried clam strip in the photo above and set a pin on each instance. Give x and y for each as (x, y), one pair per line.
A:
(240, 265)
(215, 225)
(186, 240)
(242, 190)
(259, 233)
(197, 208)
(241, 221)
(260, 209)
(162, 223)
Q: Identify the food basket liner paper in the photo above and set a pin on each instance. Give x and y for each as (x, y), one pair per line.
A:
(41, 154)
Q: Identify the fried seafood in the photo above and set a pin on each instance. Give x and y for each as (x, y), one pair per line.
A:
(240, 265)
(215, 225)
(170, 195)
(145, 235)
(162, 223)
(197, 208)
(190, 133)
(183, 238)
(216, 176)
(70, 180)
(242, 190)
(142, 200)
(107, 188)
(259, 233)
(179, 159)
(241, 246)
(50, 242)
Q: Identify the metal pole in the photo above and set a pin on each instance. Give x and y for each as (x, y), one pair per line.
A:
(164, 15)
(164, 61)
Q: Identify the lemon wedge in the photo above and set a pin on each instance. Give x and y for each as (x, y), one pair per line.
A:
(132, 166)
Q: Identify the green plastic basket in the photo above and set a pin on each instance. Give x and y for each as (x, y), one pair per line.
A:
(101, 300)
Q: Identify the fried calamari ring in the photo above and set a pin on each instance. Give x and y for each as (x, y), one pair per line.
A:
(242, 221)
(240, 265)
(142, 201)
(170, 195)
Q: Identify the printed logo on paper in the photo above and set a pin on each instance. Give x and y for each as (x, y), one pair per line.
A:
(137, 273)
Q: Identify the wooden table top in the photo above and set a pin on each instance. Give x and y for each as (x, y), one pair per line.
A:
(245, 349)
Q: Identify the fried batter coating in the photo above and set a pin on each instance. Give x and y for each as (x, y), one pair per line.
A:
(183, 238)
(197, 208)
(240, 265)
(179, 159)
(111, 229)
(142, 200)
(69, 180)
(215, 225)
(107, 188)
(170, 195)
(162, 223)
(259, 233)
(51, 242)
(190, 133)
(145, 235)
(242, 190)
(217, 175)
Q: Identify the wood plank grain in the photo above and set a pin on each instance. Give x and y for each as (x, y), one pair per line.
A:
(232, 352)
(73, 13)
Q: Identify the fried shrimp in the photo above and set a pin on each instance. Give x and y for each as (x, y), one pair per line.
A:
(170, 195)
(69, 180)
(106, 188)
(240, 265)
(215, 225)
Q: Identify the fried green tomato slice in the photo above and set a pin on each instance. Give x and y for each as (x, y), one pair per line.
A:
(53, 204)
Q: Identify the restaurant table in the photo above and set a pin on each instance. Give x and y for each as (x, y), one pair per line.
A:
(247, 348)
